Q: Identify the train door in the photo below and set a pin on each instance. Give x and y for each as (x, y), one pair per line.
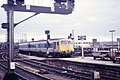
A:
(55, 46)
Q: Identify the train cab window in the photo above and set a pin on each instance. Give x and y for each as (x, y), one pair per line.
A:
(63, 42)
(69, 42)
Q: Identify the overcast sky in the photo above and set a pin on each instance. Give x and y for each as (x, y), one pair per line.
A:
(90, 17)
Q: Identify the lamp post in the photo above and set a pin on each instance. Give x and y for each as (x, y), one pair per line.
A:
(118, 40)
(112, 38)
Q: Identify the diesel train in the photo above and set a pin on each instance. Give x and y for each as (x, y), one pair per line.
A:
(48, 48)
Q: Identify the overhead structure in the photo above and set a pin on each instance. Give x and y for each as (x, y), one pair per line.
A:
(59, 7)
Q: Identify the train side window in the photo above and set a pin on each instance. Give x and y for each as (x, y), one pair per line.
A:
(42, 45)
(51, 45)
(39, 45)
(23, 46)
(36, 45)
(31, 46)
(45, 46)
(28, 45)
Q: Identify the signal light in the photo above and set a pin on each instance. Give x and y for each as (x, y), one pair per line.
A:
(47, 31)
(19, 2)
(72, 1)
(71, 4)
(59, 1)
(11, 2)
(62, 4)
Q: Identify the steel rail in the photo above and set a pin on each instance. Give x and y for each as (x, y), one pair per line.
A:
(107, 72)
(60, 71)
(23, 74)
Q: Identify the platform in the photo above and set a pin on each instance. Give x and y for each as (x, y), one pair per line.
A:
(79, 59)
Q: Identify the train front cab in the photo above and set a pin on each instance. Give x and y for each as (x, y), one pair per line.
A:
(65, 48)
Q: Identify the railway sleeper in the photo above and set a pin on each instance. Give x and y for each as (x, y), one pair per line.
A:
(72, 74)
(65, 72)
(85, 74)
(43, 71)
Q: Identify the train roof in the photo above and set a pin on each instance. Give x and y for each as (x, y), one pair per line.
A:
(55, 39)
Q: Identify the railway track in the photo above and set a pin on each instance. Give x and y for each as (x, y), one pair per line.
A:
(24, 74)
(67, 70)
(50, 72)
(106, 72)
(57, 72)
